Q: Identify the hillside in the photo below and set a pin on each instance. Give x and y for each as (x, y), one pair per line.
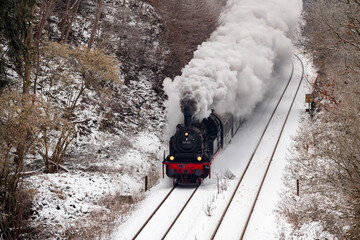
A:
(325, 156)
(89, 90)
(82, 117)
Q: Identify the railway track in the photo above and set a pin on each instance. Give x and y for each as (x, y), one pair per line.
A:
(234, 194)
(153, 213)
(177, 216)
(191, 223)
(155, 224)
(272, 155)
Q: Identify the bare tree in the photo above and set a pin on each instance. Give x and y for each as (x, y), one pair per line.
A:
(326, 156)
(188, 23)
(65, 68)
(74, 12)
(44, 13)
(95, 23)
(64, 21)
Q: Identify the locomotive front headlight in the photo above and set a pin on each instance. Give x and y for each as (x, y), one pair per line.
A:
(172, 158)
(199, 158)
(186, 134)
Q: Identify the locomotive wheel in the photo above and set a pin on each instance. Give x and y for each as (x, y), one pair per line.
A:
(198, 181)
(175, 182)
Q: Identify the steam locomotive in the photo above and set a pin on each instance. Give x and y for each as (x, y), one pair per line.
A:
(196, 144)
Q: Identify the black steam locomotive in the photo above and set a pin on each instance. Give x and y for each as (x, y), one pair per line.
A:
(195, 145)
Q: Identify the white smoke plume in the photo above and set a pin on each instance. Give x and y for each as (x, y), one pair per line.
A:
(233, 69)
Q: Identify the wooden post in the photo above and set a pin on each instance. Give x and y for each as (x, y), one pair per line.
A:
(297, 187)
(309, 99)
(146, 183)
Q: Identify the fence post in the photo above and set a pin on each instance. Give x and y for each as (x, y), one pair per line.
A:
(297, 187)
(146, 183)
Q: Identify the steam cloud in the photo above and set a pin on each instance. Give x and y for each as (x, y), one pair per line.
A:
(233, 69)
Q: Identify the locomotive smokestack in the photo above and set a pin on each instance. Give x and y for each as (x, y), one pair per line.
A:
(187, 118)
(188, 107)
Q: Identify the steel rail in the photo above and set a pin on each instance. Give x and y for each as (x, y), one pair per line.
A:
(273, 153)
(252, 156)
(153, 214)
(183, 208)
(240, 180)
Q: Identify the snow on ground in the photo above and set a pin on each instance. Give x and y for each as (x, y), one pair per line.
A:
(239, 209)
(61, 199)
(194, 221)
(264, 223)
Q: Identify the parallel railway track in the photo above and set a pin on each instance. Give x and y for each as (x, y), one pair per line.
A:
(252, 156)
(159, 207)
(153, 214)
(233, 196)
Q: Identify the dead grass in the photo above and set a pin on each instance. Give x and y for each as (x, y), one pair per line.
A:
(20, 217)
(153, 175)
(101, 223)
(113, 210)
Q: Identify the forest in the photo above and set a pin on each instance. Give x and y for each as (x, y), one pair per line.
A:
(325, 157)
(81, 89)
(75, 75)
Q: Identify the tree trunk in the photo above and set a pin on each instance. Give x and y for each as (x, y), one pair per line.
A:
(95, 24)
(43, 21)
(72, 20)
(64, 20)
(46, 12)
(28, 56)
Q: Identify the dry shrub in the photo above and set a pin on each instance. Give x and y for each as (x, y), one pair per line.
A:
(21, 120)
(209, 207)
(68, 73)
(15, 210)
(229, 175)
(222, 182)
(102, 222)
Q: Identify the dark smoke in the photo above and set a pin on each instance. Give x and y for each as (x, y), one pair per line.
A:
(188, 105)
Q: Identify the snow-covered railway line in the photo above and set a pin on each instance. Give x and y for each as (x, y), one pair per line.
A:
(243, 201)
(188, 225)
(177, 199)
(180, 214)
(153, 213)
